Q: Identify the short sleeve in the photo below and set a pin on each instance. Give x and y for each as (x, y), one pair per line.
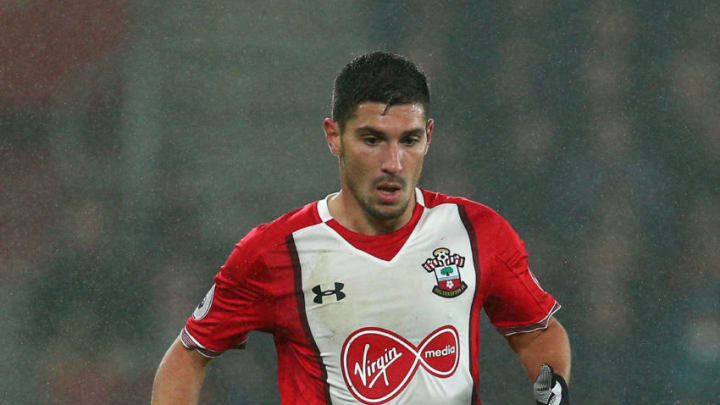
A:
(235, 305)
(516, 303)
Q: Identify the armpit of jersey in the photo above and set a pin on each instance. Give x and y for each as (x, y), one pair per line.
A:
(191, 343)
(541, 324)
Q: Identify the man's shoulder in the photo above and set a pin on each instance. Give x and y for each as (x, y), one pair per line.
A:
(265, 247)
(271, 234)
(474, 210)
(489, 226)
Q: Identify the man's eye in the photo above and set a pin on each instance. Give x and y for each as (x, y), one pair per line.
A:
(370, 140)
(410, 141)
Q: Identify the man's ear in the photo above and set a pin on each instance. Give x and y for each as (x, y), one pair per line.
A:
(428, 133)
(332, 135)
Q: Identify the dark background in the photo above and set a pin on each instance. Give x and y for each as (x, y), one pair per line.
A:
(140, 140)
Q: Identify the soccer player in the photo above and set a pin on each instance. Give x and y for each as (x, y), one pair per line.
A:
(373, 294)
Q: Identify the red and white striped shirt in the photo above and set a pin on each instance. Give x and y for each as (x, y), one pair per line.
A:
(384, 319)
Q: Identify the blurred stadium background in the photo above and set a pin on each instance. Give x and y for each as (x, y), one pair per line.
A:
(139, 140)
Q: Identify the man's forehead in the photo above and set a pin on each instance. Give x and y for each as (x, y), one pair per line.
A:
(376, 110)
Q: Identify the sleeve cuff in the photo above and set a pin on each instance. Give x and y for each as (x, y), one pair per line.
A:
(191, 343)
(541, 324)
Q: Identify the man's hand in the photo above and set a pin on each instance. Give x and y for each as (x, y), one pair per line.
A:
(550, 388)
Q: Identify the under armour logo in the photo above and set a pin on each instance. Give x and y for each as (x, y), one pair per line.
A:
(319, 293)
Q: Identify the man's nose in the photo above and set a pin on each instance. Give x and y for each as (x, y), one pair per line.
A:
(392, 162)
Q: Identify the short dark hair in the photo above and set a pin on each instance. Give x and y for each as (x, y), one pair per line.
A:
(380, 77)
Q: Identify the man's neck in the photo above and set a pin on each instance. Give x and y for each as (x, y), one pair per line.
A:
(345, 209)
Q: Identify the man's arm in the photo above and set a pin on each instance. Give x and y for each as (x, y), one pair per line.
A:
(180, 376)
(549, 346)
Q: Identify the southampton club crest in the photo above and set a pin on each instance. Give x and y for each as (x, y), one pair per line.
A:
(446, 267)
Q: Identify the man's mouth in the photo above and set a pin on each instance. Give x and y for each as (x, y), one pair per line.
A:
(388, 188)
(389, 192)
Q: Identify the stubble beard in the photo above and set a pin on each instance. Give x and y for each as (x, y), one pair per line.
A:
(365, 202)
(371, 210)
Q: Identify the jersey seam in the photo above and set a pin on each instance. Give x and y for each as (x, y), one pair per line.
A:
(520, 280)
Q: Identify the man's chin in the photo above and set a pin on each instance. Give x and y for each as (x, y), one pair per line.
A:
(386, 212)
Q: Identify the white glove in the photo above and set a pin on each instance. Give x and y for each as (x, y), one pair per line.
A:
(550, 388)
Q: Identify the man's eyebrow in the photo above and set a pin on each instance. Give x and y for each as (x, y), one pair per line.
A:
(374, 131)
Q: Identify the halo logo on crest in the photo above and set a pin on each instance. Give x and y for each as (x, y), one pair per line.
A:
(377, 364)
(204, 307)
(446, 267)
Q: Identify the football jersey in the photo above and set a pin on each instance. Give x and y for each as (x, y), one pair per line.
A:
(385, 319)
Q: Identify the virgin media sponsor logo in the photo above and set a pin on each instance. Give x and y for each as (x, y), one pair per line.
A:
(378, 364)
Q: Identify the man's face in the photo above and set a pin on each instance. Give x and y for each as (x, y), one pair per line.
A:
(381, 154)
